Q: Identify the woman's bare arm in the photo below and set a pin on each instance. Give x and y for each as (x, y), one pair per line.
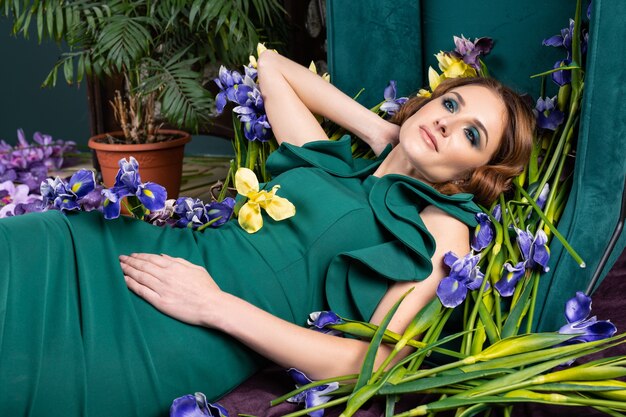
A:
(292, 95)
(187, 292)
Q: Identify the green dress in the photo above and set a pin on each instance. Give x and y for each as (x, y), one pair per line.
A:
(74, 341)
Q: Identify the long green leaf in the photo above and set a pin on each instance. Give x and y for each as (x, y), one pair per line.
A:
(511, 325)
(370, 357)
(439, 381)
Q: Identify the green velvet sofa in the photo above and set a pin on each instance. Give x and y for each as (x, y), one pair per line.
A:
(373, 41)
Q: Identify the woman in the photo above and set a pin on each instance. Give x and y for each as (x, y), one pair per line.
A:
(365, 232)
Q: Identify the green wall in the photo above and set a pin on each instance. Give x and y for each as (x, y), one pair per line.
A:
(60, 112)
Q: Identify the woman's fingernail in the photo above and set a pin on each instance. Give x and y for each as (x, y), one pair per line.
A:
(123, 257)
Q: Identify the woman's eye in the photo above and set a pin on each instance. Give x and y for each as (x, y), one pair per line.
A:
(450, 104)
(471, 133)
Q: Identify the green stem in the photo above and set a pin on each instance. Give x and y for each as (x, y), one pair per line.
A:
(555, 185)
(498, 310)
(432, 334)
(554, 230)
(318, 407)
(505, 229)
(311, 385)
(479, 299)
(566, 135)
(533, 302)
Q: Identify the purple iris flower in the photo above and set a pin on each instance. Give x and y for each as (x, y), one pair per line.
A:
(228, 83)
(191, 212)
(564, 40)
(93, 200)
(196, 406)
(244, 91)
(128, 183)
(483, 233)
(220, 211)
(464, 275)
(391, 105)
(577, 311)
(164, 216)
(319, 320)
(506, 285)
(562, 77)
(68, 196)
(470, 51)
(313, 396)
(36, 206)
(548, 116)
(256, 128)
(251, 112)
(534, 248)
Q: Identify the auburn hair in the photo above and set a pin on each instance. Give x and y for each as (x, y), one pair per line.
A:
(488, 181)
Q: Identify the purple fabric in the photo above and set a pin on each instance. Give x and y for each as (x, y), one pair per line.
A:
(254, 395)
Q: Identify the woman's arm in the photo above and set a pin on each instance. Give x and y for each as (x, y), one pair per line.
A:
(292, 94)
(187, 292)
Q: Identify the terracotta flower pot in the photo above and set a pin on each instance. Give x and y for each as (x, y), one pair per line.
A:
(160, 162)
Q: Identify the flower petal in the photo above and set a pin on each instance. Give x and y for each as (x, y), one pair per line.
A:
(506, 285)
(250, 218)
(483, 234)
(451, 292)
(450, 258)
(578, 307)
(298, 376)
(541, 252)
(246, 182)
(111, 206)
(317, 396)
(390, 91)
(82, 182)
(524, 241)
(220, 210)
(152, 196)
(321, 319)
(279, 208)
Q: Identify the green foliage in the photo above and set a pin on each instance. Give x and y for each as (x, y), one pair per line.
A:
(162, 47)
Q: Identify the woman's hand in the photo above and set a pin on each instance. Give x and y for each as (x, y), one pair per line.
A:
(174, 286)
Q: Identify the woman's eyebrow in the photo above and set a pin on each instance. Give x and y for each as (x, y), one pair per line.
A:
(478, 123)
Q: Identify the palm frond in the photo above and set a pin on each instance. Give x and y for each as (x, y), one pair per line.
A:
(184, 101)
(124, 40)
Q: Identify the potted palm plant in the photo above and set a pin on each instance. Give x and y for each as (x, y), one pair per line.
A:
(161, 50)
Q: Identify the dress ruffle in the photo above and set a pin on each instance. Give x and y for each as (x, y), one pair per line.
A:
(357, 280)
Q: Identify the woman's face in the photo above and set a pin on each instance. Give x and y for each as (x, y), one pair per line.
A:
(453, 134)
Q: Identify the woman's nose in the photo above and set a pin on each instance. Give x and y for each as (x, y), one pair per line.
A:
(442, 126)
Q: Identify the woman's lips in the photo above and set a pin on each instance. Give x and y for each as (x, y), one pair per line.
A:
(429, 138)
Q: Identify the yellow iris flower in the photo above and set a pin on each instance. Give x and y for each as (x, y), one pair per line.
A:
(313, 69)
(250, 218)
(454, 67)
(433, 81)
(260, 48)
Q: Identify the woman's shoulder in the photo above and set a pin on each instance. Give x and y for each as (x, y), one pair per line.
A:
(445, 228)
